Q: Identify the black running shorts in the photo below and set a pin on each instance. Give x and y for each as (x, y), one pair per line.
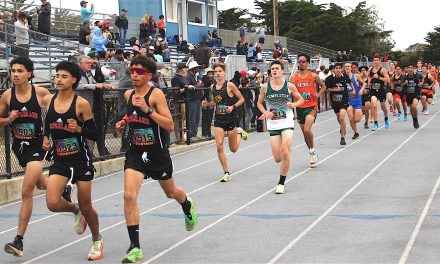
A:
(74, 172)
(410, 98)
(155, 165)
(27, 153)
(227, 125)
(380, 94)
(337, 107)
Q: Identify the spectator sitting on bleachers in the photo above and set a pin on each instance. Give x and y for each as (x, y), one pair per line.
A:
(240, 48)
(218, 42)
(118, 64)
(278, 45)
(259, 56)
(84, 33)
(250, 57)
(105, 29)
(99, 42)
(208, 39)
(166, 53)
(285, 55)
(150, 53)
(183, 46)
(158, 50)
(136, 47)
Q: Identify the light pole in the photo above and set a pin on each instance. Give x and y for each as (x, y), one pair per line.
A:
(275, 18)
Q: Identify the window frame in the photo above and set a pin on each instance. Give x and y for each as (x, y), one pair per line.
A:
(203, 9)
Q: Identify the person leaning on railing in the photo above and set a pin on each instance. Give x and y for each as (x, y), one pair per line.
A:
(21, 36)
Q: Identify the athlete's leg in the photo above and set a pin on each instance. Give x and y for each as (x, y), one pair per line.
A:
(55, 187)
(307, 130)
(341, 119)
(219, 140)
(85, 205)
(32, 177)
(424, 103)
(172, 191)
(234, 140)
(286, 143)
(275, 144)
(351, 118)
(397, 102)
(366, 110)
(132, 184)
(374, 107)
(384, 109)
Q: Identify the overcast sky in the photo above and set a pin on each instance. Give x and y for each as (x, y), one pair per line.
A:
(410, 20)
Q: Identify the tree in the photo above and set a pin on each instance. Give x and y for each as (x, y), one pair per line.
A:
(233, 18)
(431, 52)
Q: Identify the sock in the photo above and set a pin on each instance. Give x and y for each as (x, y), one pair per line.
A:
(186, 207)
(405, 114)
(99, 237)
(400, 112)
(76, 209)
(386, 118)
(227, 172)
(19, 237)
(312, 151)
(282, 180)
(375, 122)
(133, 233)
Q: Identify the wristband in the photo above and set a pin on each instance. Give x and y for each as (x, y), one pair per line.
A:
(125, 118)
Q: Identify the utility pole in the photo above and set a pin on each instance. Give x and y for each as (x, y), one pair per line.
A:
(276, 32)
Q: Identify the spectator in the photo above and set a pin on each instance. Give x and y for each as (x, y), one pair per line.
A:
(150, 53)
(166, 53)
(208, 39)
(86, 15)
(99, 42)
(144, 30)
(202, 55)
(158, 49)
(195, 94)
(44, 17)
(118, 64)
(242, 31)
(351, 56)
(122, 24)
(259, 56)
(105, 29)
(207, 111)
(161, 26)
(246, 108)
(261, 31)
(152, 27)
(278, 45)
(136, 47)
(344, 56)
(84, 33)
(240, 48)
(218, 42)
(180, 82)
(21, 36)
(285, 55)
(2, 27)
(250, 57)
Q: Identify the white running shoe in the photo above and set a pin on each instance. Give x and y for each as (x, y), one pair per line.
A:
(313, 160)
(427, 112)
(96, 249)
(226, 178)
(80, 223)
(280, 189)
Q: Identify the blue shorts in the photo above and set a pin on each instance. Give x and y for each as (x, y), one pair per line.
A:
(356, 102)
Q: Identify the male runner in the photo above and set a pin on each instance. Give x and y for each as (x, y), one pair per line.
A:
(389, 89)
(366, 98)
(354, 109)
(378, 77)
(427, 84)
(399, 96)
(411, 83)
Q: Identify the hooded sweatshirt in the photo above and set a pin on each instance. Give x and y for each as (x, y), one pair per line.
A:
(99, 41)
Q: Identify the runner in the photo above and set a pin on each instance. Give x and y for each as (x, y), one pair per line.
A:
(433, 72)
(305, 81)
(278, 93)
(23, 102)
(366, 98)
(390, 91)
(378, 77)
(354, 96)
(226, 98)
(427, 84)
(398, 93)
(69, 121)
(149, 122)
(412, 90)
(338, 85)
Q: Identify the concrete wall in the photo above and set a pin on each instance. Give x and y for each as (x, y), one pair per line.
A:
(231, 37)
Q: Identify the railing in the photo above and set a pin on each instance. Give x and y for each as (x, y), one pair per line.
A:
(303, 47)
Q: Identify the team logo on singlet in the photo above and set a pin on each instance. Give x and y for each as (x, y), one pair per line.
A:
(218, 98)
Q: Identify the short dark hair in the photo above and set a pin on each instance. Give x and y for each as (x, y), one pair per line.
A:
(161, 16)
(355, 64)
(26, 62)
(119, 52)
(338, 65)
(331, 67)
(127, 54)
(219, 64)
(376, 56)
(305, 56)
(71, 68)
(277, 62)
(22, 15)
(146, 63)
(364, 67)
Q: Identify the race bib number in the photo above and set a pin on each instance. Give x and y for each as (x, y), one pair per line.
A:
(411, 89)
(398, 88)
(278, 113)
(66, 146)
(143, 137)
(426, 86)
(24, 131)
(337, 98)
(376, 86)
(306, 96)
(221, 109)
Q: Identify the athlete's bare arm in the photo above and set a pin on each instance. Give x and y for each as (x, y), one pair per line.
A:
(237, 93)
(386, 76)
(364, 84)
(296, 95)
(162, 116)
(321, 84)
(4, 106)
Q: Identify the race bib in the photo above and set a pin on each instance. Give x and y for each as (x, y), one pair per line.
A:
(143, 137)
(23, 131)
(306, 96)
(376, 86)
(398, 88)
(411, 89)
(337, 98)
(66, 146)
(426, 86)
(221, 109)
(278, 113)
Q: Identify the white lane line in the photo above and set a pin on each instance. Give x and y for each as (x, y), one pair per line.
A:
(253, 201)
(322, 216)
(164, 204)
(416, 231)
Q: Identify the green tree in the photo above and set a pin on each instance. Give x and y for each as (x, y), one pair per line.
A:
(233, 18)
(431, 52)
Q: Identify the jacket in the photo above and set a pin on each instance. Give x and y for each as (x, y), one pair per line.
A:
(44, 18)
(99, 41)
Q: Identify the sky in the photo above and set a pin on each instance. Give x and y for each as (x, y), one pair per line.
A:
(409, 20)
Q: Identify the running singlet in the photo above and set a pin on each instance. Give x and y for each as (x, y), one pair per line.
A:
(426, 84)
(306, 87)
(68, 146)
(144, 133)
(276, 102)
(397, 83)
(342, 82)
(222, 101)
(29, 125)
(376, 83)
(357, 88)
(412, 87)
(367, 87)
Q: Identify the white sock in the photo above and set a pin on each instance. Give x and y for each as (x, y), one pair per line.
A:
(312, 151)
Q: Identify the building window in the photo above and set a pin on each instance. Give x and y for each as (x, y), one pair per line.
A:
(212, 15)
(196, 13)
(171, 10)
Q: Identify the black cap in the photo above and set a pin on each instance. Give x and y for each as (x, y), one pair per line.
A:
(82, 2)
(124, 10)
(181, 66)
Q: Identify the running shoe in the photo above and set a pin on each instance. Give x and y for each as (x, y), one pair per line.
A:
(80, 223)
(313, 160)
(423, 110)
(343, 141)
(355, 136)
(416, 123)
(95, 251)
(15, 248)
(366, 125)
(427, 112)
(191, 223)
(399, 115)
(226, 178)
(243, 133)
(133, 255)
(405, 117)
(376, 127)
(68, 191)
(387, 124)
(280, 189)
(433, 100)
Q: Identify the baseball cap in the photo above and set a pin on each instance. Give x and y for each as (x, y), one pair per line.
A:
(151, 47)
(181, 66)
(83, 2)
(124, 10)
(243, 73)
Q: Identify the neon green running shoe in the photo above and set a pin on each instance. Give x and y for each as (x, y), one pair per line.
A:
(191, 223)
(133, 255)
(243, 133)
